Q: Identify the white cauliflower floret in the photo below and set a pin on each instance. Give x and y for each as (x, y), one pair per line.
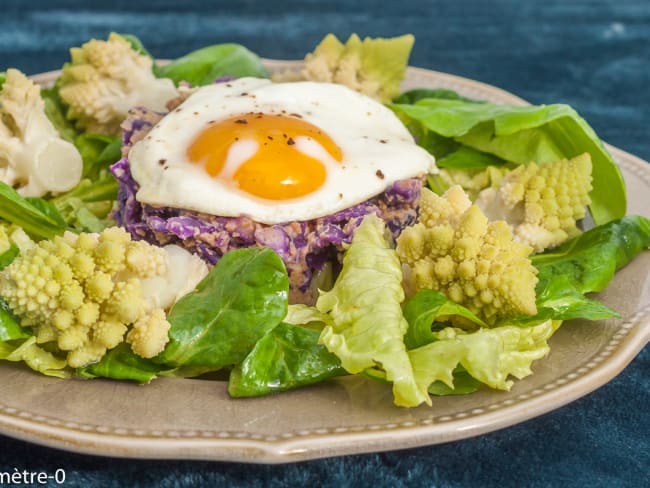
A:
(541, 202)
(107, 78)
(33, 157)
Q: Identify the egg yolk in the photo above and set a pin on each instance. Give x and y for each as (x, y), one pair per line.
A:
(277, 170)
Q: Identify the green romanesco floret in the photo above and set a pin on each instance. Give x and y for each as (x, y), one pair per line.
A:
(454, 249)
(473, 181)
(107, 78)
(372, 66)
(33, 158)
(542, 202)
(84, 292)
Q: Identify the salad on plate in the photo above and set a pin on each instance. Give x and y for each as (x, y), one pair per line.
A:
(204, 217)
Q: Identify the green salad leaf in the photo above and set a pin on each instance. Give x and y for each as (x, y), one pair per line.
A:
(426, 307)
(10, 328)
(489, 355)
(368, 327)
(55, 111)
(38, 217)
(120, 363)
(521, 134)
(417, 94)
(98, 152)
(86, 208)
(35, 357)
(287, 356)
(590, 260)
(218, 324)
(8, 255)
(203, 66)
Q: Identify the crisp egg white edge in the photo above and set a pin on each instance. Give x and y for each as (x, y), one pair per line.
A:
(370, 135)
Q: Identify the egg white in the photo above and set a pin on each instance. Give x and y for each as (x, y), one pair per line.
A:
(377, 150)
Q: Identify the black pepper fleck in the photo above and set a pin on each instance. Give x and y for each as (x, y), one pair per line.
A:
(380, 174)
(296, 115)
(270, 138)
(243, 94)
(383, 141)
(241, 121)
(162, 161)
(290, 141)
(340, 195)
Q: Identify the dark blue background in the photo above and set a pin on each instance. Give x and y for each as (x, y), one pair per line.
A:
(594, 55)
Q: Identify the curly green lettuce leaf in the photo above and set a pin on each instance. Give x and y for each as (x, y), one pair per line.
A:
(203, 66)
(286, 357)
(521, 134)
(306, 316)
(368, 326)
(244, 296)
(34, 356)
(489, 355)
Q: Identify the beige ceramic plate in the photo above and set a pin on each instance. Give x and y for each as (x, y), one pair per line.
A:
(184, 418)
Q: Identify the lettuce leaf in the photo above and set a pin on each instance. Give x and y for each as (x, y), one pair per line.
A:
(364, 304)
(424, 308)
(204, 66)
(38, 217)
(34, 356)
(242, 297)
(521, 134)
(287, 356)
(590, 260)
(490, 355)
(120, 363)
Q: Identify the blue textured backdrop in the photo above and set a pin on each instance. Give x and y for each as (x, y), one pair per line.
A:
(594, 55)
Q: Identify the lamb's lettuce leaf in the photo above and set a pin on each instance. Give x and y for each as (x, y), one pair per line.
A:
(590, 260)
(10, 328)
(521, 134)
(38, 217)
(288, 356)
(244, 296)
(204, 66)
(427, 307)
(120, 363)
(368, 327)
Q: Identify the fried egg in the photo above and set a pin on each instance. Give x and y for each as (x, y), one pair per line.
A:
(275, 152)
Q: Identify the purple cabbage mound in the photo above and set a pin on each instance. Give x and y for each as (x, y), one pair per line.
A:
(304, 246)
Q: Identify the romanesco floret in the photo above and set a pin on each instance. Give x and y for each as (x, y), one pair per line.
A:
(472, 181)
(33, 157)
(541, 202)
(83, 292)
(374, 67)
(454, 249)
(107, 78)
(148, 335)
